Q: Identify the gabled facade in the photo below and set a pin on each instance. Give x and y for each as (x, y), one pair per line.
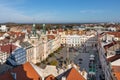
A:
(71, 74)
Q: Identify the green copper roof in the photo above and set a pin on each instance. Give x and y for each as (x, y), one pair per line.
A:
(34, 30)
(44, 29)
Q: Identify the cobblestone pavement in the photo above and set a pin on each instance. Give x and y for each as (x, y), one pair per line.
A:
(82, 58)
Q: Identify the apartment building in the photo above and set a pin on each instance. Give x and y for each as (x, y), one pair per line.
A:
(6, 51)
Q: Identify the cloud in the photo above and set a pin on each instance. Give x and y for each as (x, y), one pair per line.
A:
(12, 2)
(10, 14)
(91, 11)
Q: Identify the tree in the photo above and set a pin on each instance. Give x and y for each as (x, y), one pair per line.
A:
(54, 62)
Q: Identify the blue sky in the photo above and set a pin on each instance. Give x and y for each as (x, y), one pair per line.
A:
(55, 11)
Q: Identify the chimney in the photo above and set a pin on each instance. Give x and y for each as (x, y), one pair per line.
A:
(63, 78)
(10, 46)
(84, 74)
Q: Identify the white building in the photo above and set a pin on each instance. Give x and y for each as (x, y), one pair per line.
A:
(116, 62)
(75, 40)
(3, 28)
(112, 29)
(82, 27)
(3, 57)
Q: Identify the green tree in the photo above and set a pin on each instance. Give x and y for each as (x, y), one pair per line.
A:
(54, 62)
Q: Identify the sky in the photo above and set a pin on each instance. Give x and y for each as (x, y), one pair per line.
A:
(59, 11)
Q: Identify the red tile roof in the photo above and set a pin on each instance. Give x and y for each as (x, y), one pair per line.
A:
(60, 30)
(117, 75)
(54, 32)
(116, 34)
(6, 76)
(50, 77)
(7, 48)
(23, 72)
(51, 36)
(116, 68)
(73, 74)
(116, 72)
(113, 58)
(110, 45)
(17, 35)
(1, 34)
(49, 32)
(101, 35)
(4, 41)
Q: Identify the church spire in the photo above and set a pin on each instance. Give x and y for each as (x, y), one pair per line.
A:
(44, 29)
(34, 30)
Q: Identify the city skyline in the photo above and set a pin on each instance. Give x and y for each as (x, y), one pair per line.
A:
(55, 11)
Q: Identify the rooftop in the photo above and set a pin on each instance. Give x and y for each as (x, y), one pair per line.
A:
(25, 44)
(23, 72)
(116, 72)
(51, 37)
(74, 74)
(110, 44)
(50, 77)
(7, 48)
(113, 58)
(71, 74)
(116, 34)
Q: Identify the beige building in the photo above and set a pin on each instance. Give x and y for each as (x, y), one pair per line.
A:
(37, 48)
(53, 40)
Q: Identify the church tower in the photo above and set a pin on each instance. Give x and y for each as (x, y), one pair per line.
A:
(44, 29)
(33, 30)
